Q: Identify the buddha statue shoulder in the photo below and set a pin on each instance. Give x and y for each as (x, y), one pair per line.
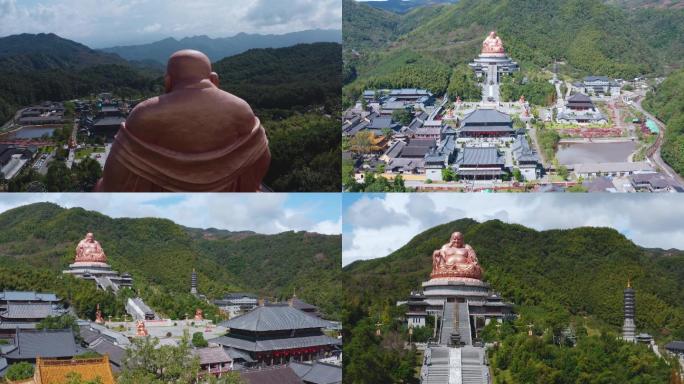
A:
(89, 250)
(193, 138)
(456, 260)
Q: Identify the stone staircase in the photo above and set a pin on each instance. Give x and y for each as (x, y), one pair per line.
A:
(473, 369)
(444, 366)
(464, 324)
(447, 323)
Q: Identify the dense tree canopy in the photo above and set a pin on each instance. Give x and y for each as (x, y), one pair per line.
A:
(666, 102)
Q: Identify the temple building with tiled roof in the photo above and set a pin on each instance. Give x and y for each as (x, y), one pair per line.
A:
(51, 371)
(276, 334)
(24, 310)
(30, 344)
(318, 373)
(486, 123)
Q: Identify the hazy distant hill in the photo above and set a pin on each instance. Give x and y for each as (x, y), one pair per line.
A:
(49, 51)
(219, 48)
(403, 6)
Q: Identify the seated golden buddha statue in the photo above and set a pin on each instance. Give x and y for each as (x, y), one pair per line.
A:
(455, 261)
(193, 138)
(89, 250)
(493, 44)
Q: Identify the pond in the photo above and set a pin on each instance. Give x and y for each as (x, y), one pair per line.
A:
(30, 133)
(577, 153)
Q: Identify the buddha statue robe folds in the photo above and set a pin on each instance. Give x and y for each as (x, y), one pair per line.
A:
(193, 138)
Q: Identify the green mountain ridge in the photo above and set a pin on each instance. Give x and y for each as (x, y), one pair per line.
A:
(162, 254)
(593, 38)
(219, 48)
(575, 272)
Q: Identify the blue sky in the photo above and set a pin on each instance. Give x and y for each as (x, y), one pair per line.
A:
(260, 212)
(374, 225)
(104, 23)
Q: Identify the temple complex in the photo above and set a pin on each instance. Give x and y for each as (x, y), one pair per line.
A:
(491, 64)
(91, 264)
(276, 334)
(462, 304)
(24, 310)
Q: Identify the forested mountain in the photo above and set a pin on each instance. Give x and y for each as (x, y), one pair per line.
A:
(295, 91)
(565, 283)
(590, 36)
(219, 48)
(666, 102)
(579, 271)
(35, 68)
(40, 239)
(403, 6)
(48, 51)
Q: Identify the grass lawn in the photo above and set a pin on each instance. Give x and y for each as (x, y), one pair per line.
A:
(86, 152)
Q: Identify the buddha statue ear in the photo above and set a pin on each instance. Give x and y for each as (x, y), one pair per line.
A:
(214, 78)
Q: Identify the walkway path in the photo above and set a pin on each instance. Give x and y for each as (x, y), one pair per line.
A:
(656, 157)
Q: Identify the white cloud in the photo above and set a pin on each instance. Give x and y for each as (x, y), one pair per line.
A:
(152, 28)
(101, 23)
(262, 213)
(648, 220)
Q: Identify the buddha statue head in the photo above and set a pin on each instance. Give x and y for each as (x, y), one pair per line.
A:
(193, 138)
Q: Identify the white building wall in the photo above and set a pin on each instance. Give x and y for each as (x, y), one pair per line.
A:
(433, 174)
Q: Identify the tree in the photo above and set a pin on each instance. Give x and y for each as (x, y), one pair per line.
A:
(563, 172)
(517, 175)
(448, 174)
(362, 142)
(402, 116)
(147, 362)
(364, 104)
(198, 340)
(387, 133)
(59, 178)
(58, 322)
(19, 371)
(87, 173)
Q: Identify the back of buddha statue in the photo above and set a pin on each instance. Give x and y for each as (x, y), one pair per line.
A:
(192, 120)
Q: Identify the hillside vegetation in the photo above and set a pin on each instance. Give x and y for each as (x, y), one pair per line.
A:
(559, 280)
(39, 241)
(590, 36)
(666, 102)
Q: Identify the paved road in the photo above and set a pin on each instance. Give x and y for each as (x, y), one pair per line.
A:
(656, 158)
(72, 149)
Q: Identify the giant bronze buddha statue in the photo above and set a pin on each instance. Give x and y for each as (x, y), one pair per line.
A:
(193, 138)
(493, 45)
(455, 261)
(89, 250)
